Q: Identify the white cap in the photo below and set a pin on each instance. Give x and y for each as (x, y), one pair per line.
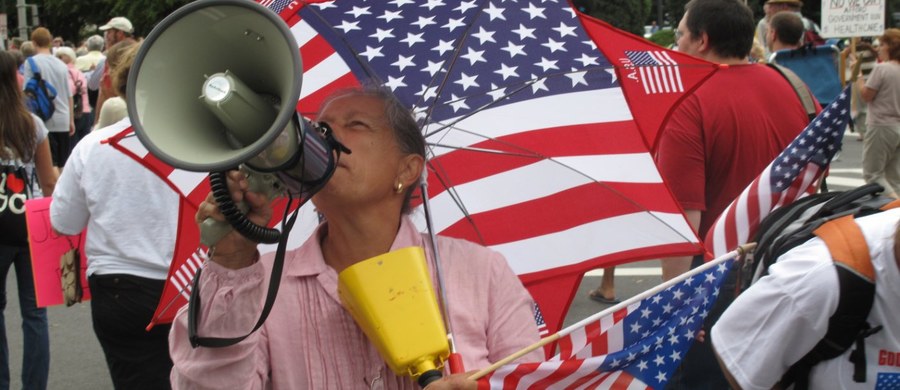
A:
(119, 23)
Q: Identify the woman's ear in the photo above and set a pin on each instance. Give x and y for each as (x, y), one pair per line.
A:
(411, 167)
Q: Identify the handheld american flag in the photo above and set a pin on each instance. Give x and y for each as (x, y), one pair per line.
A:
(634, 345)
(792, 175)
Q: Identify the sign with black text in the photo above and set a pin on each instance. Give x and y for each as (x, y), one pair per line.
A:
(852, 18)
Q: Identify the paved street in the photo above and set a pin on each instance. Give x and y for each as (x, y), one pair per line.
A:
(77, 361)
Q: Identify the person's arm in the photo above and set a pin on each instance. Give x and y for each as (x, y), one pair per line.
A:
(779, 319)
(71, 117)
(46, 172)
(232, 287)
(868, 86)
(231, 301)
(728, 377)
(674, 266)
(69, 211)
(681, 159)
(865, 93)
(511, 323)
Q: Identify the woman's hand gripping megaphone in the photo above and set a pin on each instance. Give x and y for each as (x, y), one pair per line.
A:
(232, 249)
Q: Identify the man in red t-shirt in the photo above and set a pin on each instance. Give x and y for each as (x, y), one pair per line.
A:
(721, 137)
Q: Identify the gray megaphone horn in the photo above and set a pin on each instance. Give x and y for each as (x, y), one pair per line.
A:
(215, 86)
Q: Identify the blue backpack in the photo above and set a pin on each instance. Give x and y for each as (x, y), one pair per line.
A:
(39, 94)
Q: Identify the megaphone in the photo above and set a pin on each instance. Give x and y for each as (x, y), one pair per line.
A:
(215, 86)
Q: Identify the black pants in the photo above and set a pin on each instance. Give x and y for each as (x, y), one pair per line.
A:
(60, 147)
(82, 127)
(700, 370)
(121, 307)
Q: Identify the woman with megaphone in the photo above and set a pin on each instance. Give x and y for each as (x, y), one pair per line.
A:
(321, 332)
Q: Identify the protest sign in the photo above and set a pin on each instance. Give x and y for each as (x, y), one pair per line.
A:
(852, 18)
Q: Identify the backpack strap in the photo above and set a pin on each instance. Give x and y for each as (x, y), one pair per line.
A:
(34, 68)
(856, 280)
(800, 89)
(848, 246)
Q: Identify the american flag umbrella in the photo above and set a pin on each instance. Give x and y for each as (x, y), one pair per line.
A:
(537, 120)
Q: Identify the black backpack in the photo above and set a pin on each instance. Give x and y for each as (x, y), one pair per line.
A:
(829, 216)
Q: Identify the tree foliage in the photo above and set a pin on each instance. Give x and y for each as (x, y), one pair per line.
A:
(628, 15)
(74, 20)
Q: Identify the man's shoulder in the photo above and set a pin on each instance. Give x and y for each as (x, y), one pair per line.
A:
(740, 80)
(49, 63)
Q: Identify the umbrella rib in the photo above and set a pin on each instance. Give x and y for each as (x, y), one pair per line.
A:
(481, 150)
(642, 208)
(451, 190)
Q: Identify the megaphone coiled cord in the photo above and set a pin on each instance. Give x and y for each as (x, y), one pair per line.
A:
(234, 216)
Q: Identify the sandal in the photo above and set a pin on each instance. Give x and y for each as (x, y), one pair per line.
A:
(598, 297)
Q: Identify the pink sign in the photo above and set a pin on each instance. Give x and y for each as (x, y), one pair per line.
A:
(46, 249)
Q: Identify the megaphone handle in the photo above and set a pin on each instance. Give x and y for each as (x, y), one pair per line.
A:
(211, 231)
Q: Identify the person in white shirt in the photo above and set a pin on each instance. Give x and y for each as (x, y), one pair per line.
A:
(783, 316)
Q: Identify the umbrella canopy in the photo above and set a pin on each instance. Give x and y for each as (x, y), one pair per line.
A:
(533, 148)
(537, 143)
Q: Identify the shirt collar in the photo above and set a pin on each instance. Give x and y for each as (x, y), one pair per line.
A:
(308, 259)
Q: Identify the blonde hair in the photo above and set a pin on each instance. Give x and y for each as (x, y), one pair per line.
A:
(120, 73)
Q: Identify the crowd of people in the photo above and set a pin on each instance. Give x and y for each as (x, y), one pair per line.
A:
(714, 143)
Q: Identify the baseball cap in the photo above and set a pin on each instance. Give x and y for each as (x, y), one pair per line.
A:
(119, 23)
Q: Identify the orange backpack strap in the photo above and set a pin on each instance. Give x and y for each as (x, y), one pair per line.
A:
(892, 205)
(848, 246)
(856, 286)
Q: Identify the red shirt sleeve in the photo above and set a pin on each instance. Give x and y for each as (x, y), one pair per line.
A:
(681, 155)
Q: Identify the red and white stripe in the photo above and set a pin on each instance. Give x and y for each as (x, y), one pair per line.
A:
(183, 276)
(565, 374)
(665, 78)
(192, 185)
(739, 222)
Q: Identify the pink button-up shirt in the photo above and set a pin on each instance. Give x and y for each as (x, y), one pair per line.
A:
(310, 342)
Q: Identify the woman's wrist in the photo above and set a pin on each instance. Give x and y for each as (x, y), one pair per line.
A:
(236, 259)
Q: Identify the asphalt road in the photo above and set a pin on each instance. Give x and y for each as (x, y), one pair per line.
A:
(77, 361)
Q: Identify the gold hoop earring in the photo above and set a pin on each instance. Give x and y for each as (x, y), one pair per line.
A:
(399, 188)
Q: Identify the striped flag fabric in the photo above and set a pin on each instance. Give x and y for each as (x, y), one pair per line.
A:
(659, 73)
(793, 174)
(635, 345)
(539, 320)
(275, 5)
